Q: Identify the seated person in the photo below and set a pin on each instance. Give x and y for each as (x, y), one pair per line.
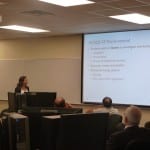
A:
(60, 102)
(147, 124)
(120, 126)
(132, 131)
(107, 107)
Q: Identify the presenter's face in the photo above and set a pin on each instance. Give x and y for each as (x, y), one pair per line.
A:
(25, 82)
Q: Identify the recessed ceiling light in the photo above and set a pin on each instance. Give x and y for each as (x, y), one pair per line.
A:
(134, 18)
(67, 3)
(23, 28)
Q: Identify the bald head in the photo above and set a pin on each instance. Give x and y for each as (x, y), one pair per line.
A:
(132, 115)
(59, 102)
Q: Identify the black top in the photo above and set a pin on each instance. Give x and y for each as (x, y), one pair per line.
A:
(18, 89)
(119, 140)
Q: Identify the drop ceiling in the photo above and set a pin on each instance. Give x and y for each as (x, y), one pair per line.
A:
(59, 20)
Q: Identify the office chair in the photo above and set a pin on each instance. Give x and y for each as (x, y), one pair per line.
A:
(113, 122)
(4, 134)
(82, 132)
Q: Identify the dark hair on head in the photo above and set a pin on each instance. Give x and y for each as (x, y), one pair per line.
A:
(107, 102)
(21, 80)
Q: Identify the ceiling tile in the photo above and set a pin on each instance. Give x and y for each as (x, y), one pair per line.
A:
(71, 20)
(145, 1)
(143, 10)
(124, 3)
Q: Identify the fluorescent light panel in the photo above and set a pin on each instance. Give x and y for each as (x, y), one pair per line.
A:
(67, 3)
(23, 28)
(134, 18)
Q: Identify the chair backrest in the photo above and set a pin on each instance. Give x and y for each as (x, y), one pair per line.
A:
(83, 131)
(138, 144)
(114, 120)
(4, 134)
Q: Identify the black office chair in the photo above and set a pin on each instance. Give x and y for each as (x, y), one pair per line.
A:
(82, 132)
(138, 144)
(114, 121)
(4, 135)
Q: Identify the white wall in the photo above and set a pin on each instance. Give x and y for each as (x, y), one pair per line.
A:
(62, 47)
(51, 64)
(54, 47)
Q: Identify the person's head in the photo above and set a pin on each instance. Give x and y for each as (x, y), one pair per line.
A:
(22, 81)
(59, 102)
(132, 115)
(147, 124)
(107, 102)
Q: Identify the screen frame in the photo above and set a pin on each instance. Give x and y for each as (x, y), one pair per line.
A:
(82, 68)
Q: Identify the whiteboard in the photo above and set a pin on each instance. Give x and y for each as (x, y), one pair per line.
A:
(50, 75)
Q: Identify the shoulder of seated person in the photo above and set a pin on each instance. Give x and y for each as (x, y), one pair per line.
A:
(67, 105)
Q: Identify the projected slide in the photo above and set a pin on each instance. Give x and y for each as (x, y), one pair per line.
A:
(117, 65)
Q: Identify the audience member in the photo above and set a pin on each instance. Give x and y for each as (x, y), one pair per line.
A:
(60, 102)
(120, 126)
(147, 125)
(107, 107)
(119, 140)
(22, 85)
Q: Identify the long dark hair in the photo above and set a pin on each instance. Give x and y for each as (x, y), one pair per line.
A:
(20, 81)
